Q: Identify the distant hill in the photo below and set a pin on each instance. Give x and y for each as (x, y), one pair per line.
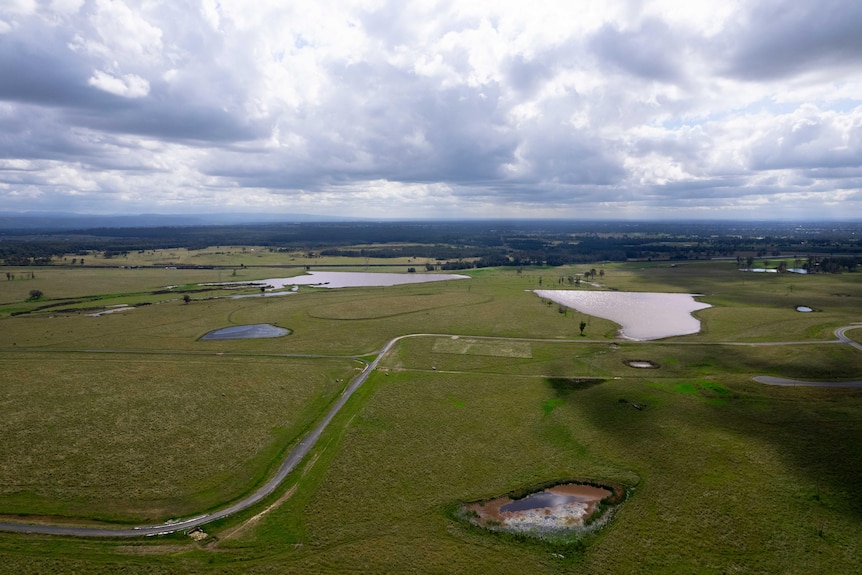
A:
(49, 221)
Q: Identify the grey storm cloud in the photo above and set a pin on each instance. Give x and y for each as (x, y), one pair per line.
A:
(652, 51)
(780, 39)
(40, 73)
(474, 110)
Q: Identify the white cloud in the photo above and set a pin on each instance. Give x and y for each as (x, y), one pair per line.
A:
(18, 7)
(66, 7)
(128, 85)
(468, 108)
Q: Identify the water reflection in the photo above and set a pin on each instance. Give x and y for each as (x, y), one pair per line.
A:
(348, 279)
(252, 331)
(540, 500)
(642, 315)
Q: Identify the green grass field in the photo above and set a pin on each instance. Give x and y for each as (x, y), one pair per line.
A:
(232, 256)
(147, 437)
(727, 475)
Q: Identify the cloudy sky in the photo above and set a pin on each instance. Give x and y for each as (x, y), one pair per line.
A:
(428, 109)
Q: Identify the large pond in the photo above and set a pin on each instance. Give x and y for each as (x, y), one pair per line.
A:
(774, 271)
(252, 331)
(347, 279)
(642, 315)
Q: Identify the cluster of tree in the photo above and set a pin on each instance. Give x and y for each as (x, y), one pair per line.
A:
(459, 245)
(833, 265)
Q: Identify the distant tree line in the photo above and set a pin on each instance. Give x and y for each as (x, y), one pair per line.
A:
(461, 245)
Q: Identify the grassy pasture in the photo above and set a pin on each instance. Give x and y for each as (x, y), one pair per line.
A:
(760, 482)
(827, 362)
(729, 475)
(149, 437)
(231, 256)
(346, 321)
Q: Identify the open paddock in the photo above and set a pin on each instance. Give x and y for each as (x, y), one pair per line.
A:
(147, 437)
(727, 474)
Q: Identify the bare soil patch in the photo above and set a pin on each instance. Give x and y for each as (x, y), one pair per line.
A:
(493, 348)
(641, 363)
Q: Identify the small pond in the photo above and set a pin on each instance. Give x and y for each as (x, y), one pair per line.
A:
(562, 508)
(252, 331)
(642, 315)
(803, 308)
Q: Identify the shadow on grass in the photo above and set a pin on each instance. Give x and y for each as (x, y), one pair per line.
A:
(563, 386)
(814, 432)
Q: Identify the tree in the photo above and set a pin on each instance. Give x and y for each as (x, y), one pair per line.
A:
(583, 325)
(35, 294)
(187, 298)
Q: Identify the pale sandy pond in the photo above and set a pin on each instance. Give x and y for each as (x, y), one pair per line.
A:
(642, 315)
(346, 279)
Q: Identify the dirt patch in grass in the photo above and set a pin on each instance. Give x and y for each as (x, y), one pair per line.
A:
(641, 363)
(236, 531)
(494, 348)
(239, 529)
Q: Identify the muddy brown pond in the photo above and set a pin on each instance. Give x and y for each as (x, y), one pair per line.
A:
(567, 507)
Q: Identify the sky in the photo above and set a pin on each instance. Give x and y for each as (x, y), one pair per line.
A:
(461, 109)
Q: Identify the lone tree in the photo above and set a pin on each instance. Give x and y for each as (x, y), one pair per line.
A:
(583, 325)
(187, 298)
(36, 294)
